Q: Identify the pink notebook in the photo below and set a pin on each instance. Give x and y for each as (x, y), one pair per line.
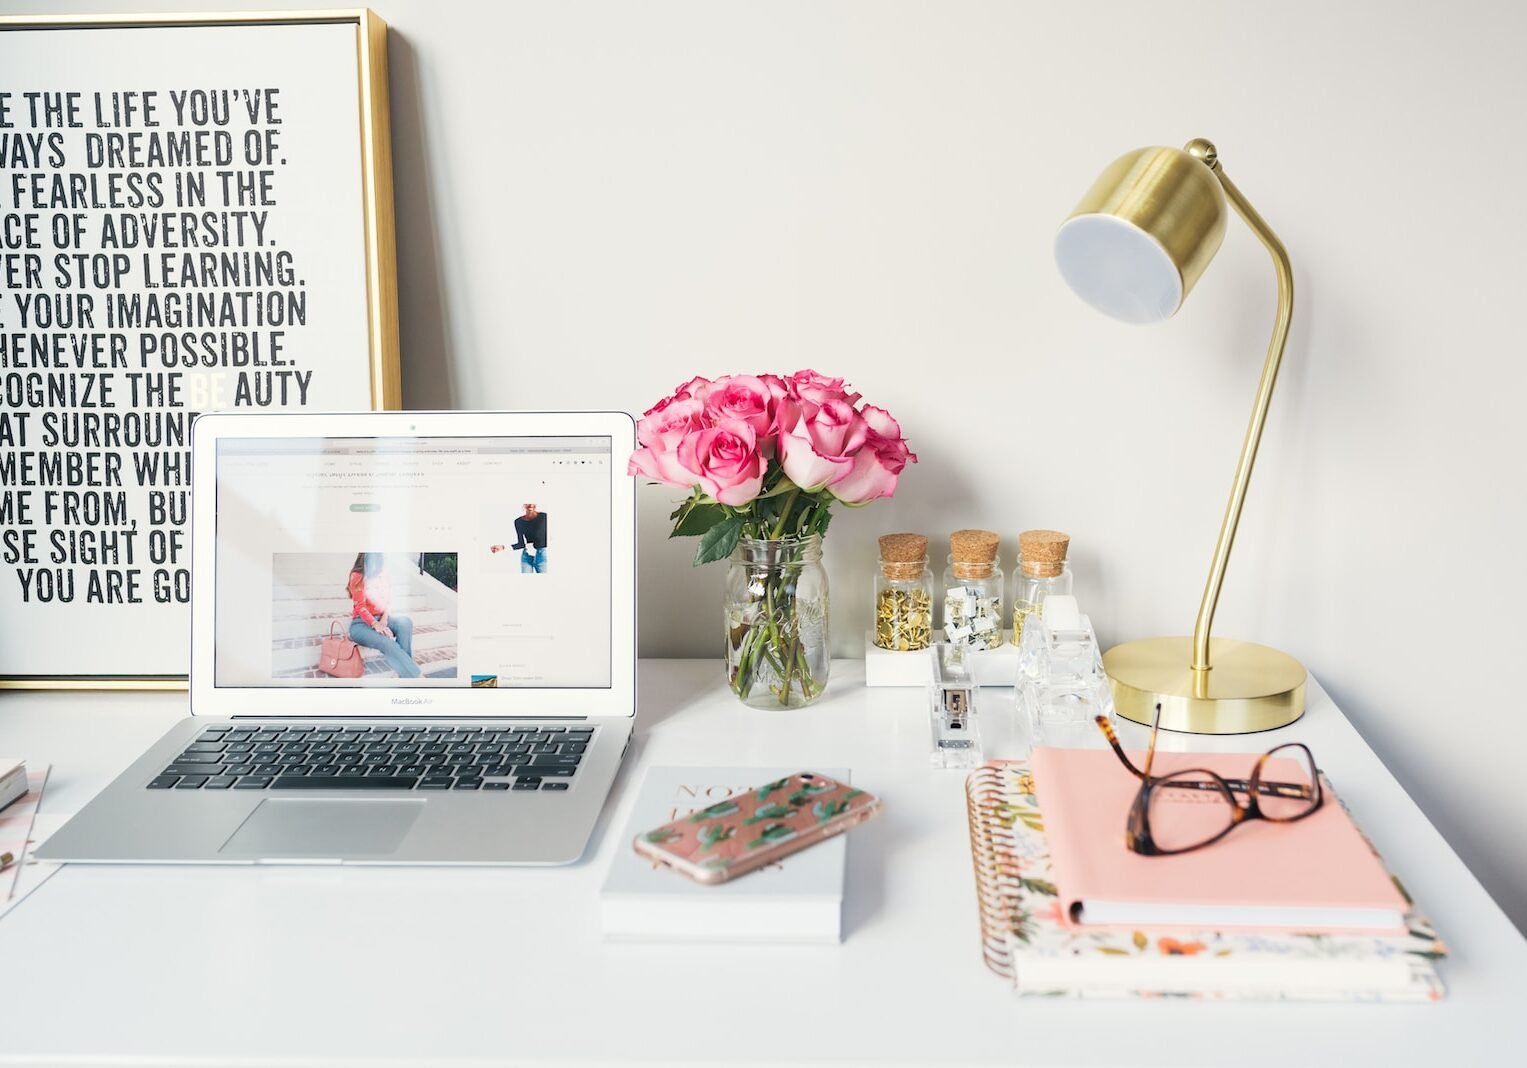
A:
(1318, 874)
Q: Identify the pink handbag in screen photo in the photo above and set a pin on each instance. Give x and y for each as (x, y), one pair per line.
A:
(339, 656)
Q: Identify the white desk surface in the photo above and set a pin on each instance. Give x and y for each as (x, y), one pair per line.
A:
(246, 966)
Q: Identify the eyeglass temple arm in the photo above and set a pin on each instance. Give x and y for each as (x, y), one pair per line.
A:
(1243, 786)
(1113, 742)
(1150, 752)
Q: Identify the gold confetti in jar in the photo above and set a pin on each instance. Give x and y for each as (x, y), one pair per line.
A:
(903, 594)
(973, 591)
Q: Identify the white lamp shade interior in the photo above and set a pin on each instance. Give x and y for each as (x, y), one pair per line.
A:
(1118, 268)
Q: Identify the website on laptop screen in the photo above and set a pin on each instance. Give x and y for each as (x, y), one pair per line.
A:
(395, 562)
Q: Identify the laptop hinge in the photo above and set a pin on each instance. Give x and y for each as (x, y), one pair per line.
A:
(412, 719)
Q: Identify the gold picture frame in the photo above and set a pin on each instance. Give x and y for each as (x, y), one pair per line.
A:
(375, 201)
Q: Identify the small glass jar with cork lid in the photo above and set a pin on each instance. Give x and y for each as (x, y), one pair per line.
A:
(973, 591)
(1041, 571)
(903, 594)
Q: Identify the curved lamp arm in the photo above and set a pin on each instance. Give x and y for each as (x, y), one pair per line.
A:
(1205, 151)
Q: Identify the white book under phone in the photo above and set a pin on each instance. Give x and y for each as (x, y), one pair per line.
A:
(797, 900)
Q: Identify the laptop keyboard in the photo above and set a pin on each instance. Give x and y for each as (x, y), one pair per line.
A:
(276, 757)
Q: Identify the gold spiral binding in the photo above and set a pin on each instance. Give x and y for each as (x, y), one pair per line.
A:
(992, 849)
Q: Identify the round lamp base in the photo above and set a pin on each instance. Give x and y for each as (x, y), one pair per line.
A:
(1250, 688)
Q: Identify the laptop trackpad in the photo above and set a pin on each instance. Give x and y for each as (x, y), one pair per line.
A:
(330, 827)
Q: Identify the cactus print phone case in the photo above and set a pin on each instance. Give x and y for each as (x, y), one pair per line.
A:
(757, 827)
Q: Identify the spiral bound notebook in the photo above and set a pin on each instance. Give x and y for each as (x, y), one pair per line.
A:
(1027, 939)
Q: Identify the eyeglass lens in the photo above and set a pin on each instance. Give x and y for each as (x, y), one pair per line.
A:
(1188, 809)
(1288, 783)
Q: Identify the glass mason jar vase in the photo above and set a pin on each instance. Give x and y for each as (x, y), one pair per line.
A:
(777, 652)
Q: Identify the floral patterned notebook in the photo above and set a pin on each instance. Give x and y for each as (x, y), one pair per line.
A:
(1026, 938)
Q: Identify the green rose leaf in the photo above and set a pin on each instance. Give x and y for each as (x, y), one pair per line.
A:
(783, 486)
(718, 542)
(696, 519)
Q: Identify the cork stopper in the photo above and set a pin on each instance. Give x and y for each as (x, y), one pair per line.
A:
(973, 552)
(1042, 553)
(903, 556)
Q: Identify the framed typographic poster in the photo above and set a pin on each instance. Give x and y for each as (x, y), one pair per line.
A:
(195, 214)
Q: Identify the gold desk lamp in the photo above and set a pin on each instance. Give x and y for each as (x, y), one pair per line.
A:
(1132, 249)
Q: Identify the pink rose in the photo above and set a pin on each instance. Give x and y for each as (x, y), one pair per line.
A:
(819, 447)
(746, 399)
(659, 431)
(879, 423)
(778, 388)
(784, 409)
(811, 378)
(726, 461)
(878, 465)
(661, 465)
(696, 387)
(813, 390)
(668, 421)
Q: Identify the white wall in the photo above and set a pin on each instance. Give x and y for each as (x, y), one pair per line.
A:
(599, 199)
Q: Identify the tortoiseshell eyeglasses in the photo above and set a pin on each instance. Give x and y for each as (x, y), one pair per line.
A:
(1194, 807)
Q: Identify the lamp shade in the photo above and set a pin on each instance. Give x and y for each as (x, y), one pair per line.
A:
(1142, 235)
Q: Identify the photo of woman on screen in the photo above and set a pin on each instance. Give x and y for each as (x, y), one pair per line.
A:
(371, 624)
(530, 540)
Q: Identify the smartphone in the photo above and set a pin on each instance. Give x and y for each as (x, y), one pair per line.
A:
(757, 827)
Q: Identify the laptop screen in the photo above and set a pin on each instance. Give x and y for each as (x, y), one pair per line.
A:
(413, 562)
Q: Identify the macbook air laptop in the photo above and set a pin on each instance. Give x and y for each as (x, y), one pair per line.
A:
(413, 642)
